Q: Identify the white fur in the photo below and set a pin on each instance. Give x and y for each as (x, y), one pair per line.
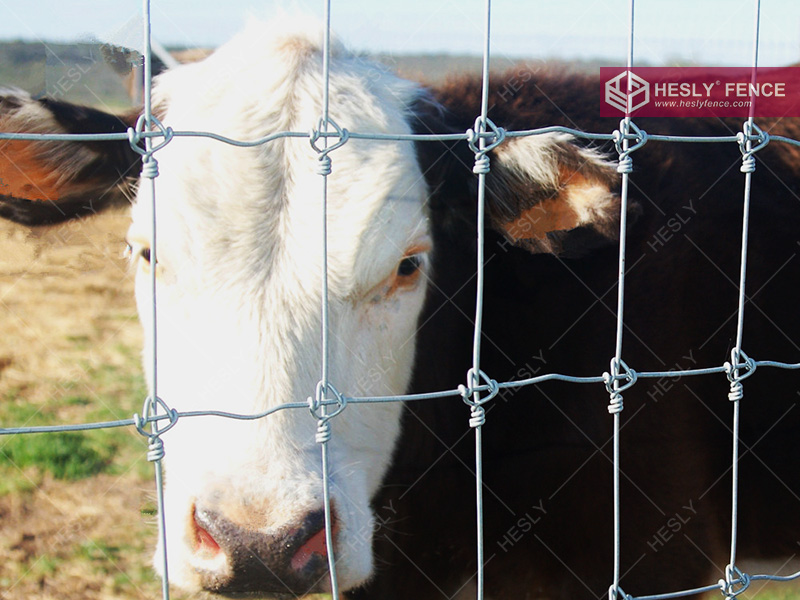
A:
(239, 280)
(536, 159)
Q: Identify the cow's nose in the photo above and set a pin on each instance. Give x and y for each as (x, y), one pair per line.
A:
(237, 559)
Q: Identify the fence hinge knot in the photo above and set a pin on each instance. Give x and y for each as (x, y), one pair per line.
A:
(471, 393)
(743, 138)
(738, 369)
(318, 402)
(320, 131)
(136, 138)
(735, 582)
(149, 415)
(474, 135)
(149, 167)
(627, 128)
(324, 165)
(619, 370)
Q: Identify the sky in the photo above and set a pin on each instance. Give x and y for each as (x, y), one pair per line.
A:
(706, 32)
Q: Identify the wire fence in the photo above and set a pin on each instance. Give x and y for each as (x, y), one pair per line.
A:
(326, 403)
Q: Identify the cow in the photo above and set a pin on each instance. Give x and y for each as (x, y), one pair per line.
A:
(238, 269)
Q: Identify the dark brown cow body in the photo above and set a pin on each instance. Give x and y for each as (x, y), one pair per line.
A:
(547, 465)
(547, 461)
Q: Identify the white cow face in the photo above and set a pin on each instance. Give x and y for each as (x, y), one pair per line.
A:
(238, 269)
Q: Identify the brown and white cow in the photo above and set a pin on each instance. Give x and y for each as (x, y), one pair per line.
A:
(238, 271)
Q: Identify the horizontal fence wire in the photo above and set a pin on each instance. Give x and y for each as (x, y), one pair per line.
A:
(453, 393)
(381, 137)
(149, 136)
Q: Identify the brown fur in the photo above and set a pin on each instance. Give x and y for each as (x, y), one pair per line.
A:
(45, 182)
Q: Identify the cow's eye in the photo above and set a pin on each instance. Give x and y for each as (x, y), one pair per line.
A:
(137, 252)
(409, 266)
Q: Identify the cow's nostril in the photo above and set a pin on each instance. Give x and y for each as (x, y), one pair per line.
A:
(205, 544)
(316, 544)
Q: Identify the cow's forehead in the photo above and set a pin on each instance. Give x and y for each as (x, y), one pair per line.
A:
(233, 203)
(258, 84)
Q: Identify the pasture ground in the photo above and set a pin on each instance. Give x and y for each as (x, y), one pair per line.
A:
(76, 508)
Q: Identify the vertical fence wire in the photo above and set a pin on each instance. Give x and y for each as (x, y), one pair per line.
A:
(152, 401)
(323, 429)
(473, 378)
(616, 403)
(732, 575)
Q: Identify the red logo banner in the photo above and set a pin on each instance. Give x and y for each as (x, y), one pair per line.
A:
(700, 92)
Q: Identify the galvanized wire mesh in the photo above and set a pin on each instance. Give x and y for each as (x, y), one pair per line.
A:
(326, 403)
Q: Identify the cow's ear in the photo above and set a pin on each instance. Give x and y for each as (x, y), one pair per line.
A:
(43, 182)
(547, 194)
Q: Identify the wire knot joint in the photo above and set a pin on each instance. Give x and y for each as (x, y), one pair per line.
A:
(137, 138)
(317, 406)
(735, 582)
(321, 131)
(470, 393)
(628, 128)
(745, 141)
(625, 164)
(482, 143)
(616, 405)
(155, 448)
(324, 165)
(482, 165)
(618, 371)
(740, 367)
(737, 391)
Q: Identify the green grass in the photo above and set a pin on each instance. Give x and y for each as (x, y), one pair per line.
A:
(63, 455)
(110, 393)
(786, 591)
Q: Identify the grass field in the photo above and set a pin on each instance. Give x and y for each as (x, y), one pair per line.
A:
(76, 508)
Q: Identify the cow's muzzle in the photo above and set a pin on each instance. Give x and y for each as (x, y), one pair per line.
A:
(233, 559)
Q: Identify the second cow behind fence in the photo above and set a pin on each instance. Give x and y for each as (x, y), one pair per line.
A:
(238, 279)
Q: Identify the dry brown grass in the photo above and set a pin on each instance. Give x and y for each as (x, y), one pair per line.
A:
(66, 301)
(69, 348)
